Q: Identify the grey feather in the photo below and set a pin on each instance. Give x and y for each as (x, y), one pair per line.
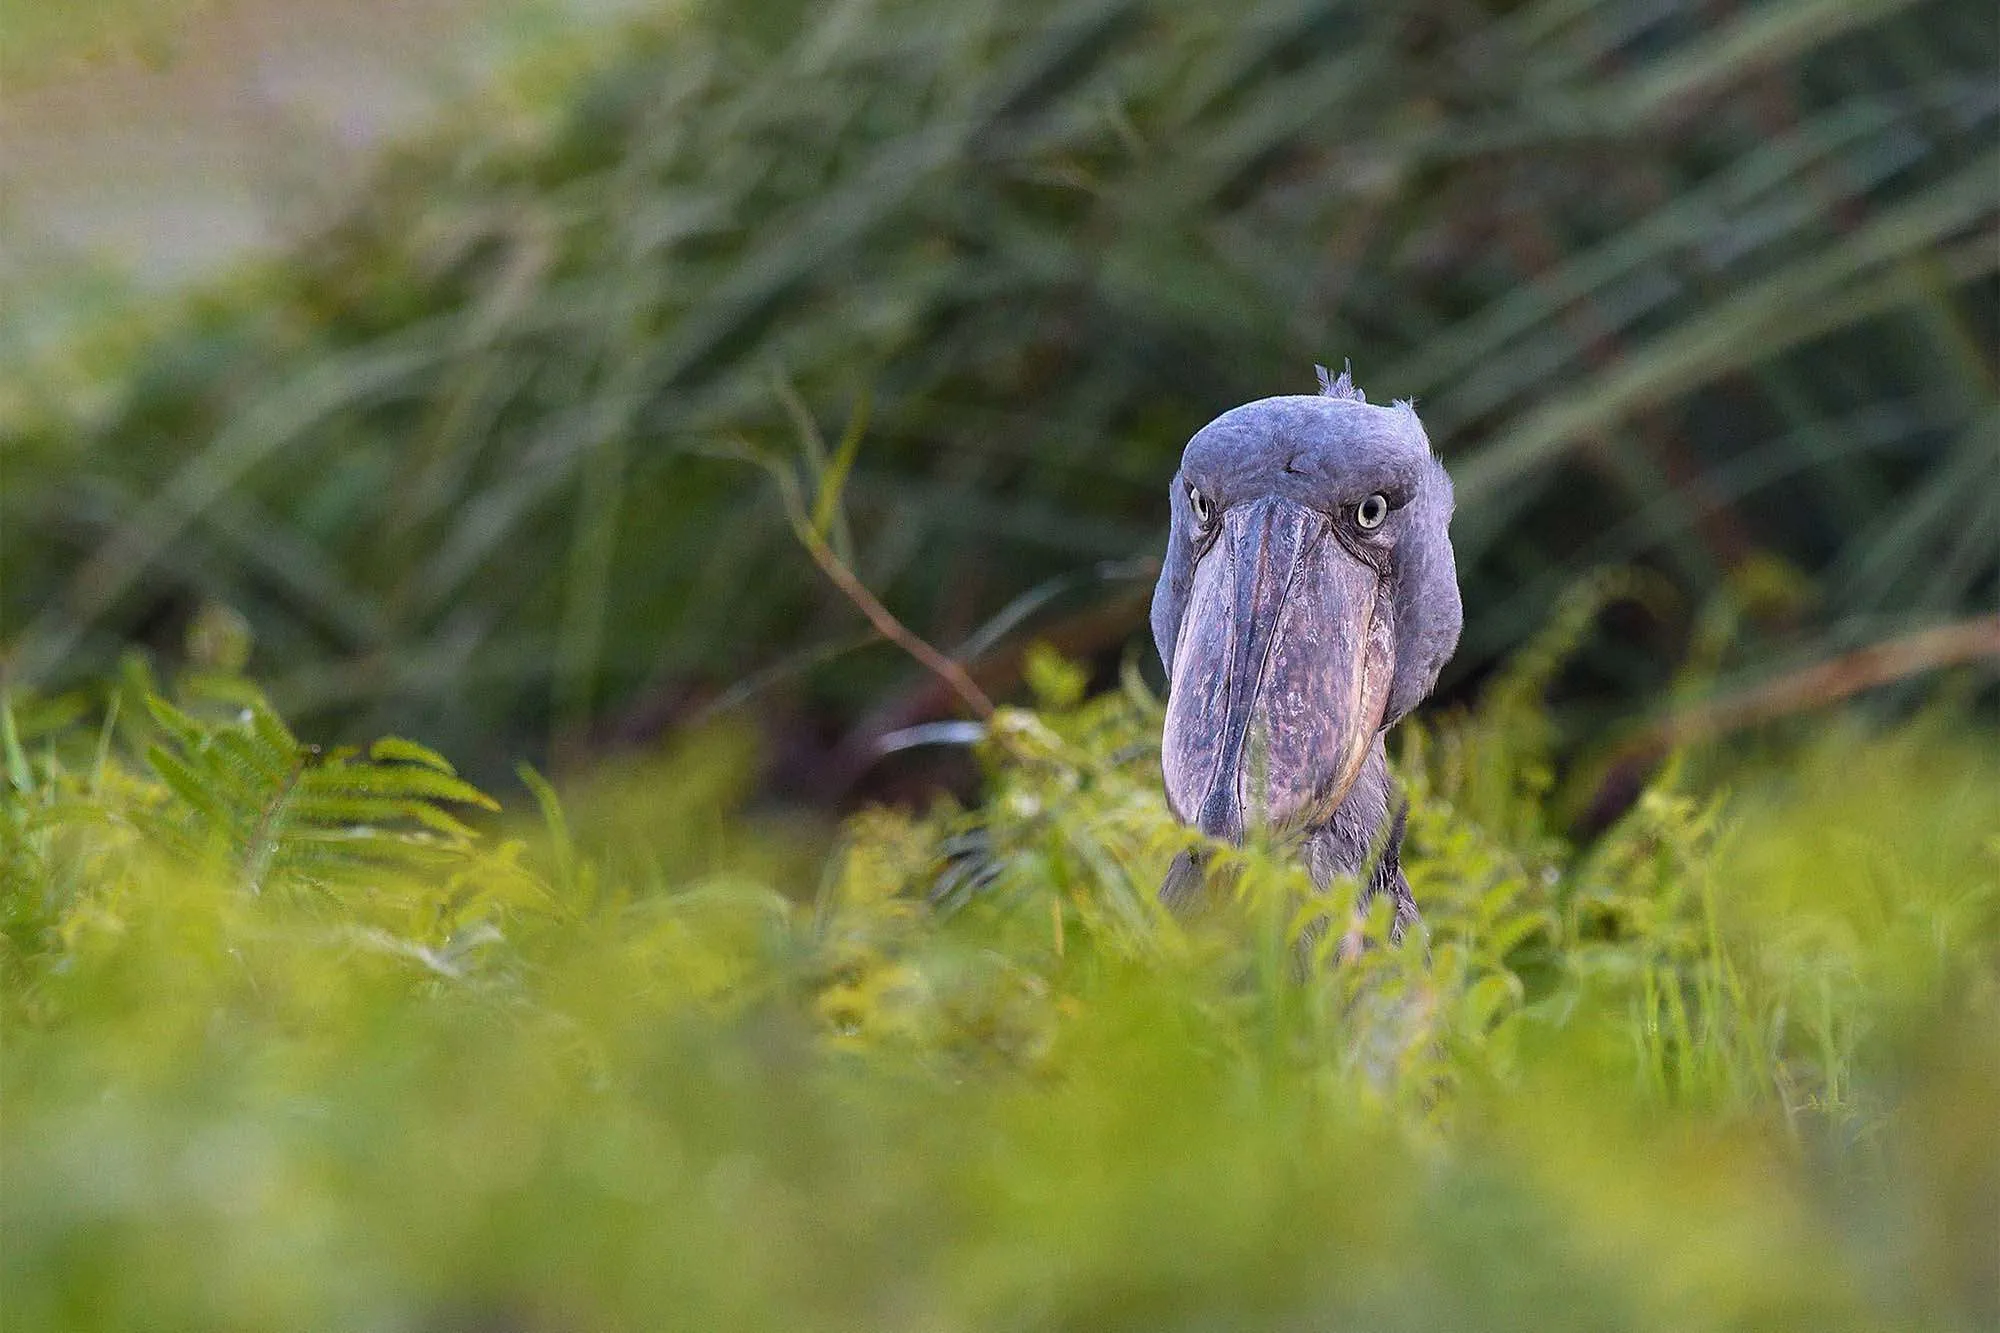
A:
(1343, 387)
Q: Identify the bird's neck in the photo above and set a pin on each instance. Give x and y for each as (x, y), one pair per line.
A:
(1364, 837)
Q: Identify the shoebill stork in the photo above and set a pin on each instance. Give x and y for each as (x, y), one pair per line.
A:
(1306, 604)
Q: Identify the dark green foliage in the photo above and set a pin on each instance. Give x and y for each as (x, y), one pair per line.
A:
(1731, 1067)
(1681, 284)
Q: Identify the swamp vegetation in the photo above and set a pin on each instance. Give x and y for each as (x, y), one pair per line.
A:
(322, 1007)
(289, 1044)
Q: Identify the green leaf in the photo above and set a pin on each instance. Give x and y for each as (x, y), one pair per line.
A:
(832, 480)
(316, 812)
(395, 781)
(561, 845)
(396, 750)
(19, 776)
(196, 793)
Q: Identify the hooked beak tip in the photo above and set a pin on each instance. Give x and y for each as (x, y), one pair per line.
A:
(1219, 817)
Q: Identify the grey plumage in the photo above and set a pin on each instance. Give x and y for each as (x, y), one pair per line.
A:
(1344, 387)
(1307, 602)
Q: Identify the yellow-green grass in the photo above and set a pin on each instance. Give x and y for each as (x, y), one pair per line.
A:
(277, 1064)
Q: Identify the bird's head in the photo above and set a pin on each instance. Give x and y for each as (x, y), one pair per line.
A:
(1307, 602)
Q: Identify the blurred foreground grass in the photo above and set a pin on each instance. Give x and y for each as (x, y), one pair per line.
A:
(290, 1046)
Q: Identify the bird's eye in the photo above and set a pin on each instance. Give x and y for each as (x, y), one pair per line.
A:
(1203, 511)
(1370, 512)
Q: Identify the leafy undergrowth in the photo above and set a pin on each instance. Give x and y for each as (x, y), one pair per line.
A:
(288, 1044)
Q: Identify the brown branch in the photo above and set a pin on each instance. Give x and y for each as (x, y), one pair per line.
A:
(1618, 779)
(890, 628)
(1079, 635)
(1822, 683)
(792, 497)
(1840, 678)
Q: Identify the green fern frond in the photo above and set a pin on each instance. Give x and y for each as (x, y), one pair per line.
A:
(284, 811)
(396, 750)
(396, 781)
(192, 786)
(182, 729)
(348, 814)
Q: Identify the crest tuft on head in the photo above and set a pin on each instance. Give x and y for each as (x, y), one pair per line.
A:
(1344, 387)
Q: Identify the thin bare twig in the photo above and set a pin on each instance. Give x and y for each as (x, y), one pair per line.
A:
(886, 624)
(1827, 682)
(1841, 677)
(1618, 778)
(895, 631)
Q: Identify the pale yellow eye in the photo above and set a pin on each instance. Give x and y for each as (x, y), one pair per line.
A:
(1370, 512)
(1203, 511)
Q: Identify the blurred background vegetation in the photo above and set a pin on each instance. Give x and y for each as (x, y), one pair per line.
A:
(1710, 290)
